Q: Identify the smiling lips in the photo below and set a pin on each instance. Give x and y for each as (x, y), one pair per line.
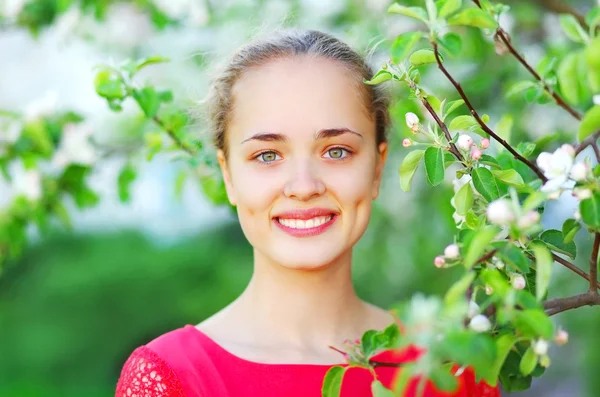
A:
(306, 223)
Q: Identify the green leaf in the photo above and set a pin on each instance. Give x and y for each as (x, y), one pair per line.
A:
(379, 390)
(459, 288)
(213, 187)
(332, 383)
(510, 177)
(528, 361)
(431, 9)
(434, 165)
(403, 44)
(448, 7)
(590, 123)
(468, 348)
(463, 199)
(516, 258)
(590, 211)
(478, 245)
(148, 100)
(504, 344)
(380, 77)
(474, 17)
(569, 230)
(110, 85)
(423, 57)
(592, 19)
(572, 28)
(150, 61)
(126, 176)
(489, 160)
(533, 201)
(451, 106)
(408, 167)
(555, 240)
(568, 79)
(592, 53)
(452, 42)
(484, 182)
(463, 122)
(543, 262)
(534, 324)
(413, 12)
(443, 379)
(435, 103)
(519, 87)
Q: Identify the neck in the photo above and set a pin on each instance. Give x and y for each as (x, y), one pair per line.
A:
(299, 307)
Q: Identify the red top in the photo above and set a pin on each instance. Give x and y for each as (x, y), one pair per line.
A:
(187, 363)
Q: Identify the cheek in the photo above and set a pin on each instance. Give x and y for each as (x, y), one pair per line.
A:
(254, 189)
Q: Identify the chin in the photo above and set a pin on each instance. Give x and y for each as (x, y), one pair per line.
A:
(306, 259)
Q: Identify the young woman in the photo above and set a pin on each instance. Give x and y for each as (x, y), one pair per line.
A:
(302, 145)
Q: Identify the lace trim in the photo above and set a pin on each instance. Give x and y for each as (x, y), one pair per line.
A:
(145, 374)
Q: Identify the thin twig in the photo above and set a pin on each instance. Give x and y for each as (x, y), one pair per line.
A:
(587, 142)
(594, 265)
(558, 305)
(183, 145)
(506, 40)
(453, 148)
(568, 265)
(483, 125)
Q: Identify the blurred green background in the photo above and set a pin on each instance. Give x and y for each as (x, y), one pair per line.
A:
(76, 304)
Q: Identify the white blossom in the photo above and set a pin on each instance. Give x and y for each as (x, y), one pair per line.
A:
(75, 146)
(579, 172)
(473, 309)
(582, 193)
(528, 220)
(464, 142)
(412, 121)
(540, 347)
(42, 107)
(480, 323)
(29, 184)
(452, 251)
(597, 97)
(500, 212)
(556, 167)
(577, 215)
(12, 8)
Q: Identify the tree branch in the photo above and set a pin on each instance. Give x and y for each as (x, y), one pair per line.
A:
(594, 265)
(558, 305)
(483, 125)
(590, 140)
(183, 145)
(453, 148)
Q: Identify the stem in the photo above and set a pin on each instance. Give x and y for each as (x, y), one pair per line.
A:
(183, 145)
(590, 140)
(594, 265)
(453, 148)
(555, 306)
(462, 94)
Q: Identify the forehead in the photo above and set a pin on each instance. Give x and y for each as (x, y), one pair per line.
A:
(298, 95)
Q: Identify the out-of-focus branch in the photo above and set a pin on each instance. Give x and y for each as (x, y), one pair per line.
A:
(555, 306)
(559, 7)
(590, 140)
(594, 265)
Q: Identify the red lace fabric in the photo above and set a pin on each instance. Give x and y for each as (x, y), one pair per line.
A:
(145, 374)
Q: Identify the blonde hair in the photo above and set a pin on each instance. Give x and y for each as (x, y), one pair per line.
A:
(289, 43)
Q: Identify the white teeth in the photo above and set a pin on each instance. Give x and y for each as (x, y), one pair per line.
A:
(305, 224)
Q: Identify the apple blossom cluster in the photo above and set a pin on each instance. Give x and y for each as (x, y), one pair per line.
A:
(466, 144)
(563, 173)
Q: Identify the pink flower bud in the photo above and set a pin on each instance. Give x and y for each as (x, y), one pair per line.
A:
(500, 212)
(406, 142)
(476, 154)
(488, 290)
(562, 337)
(464, 142)
(518, 282)
(412, 121)
(529, 219)
(485, 143)
(439, 261)
(452, 251)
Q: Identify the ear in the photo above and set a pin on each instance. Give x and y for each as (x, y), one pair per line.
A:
(380, 163)
(226, 176)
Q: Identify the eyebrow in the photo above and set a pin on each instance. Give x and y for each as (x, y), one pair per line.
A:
(322, 134)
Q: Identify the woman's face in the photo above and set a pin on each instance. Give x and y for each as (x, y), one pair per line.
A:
(303, 164)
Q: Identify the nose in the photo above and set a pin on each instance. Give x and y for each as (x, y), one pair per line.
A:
(303, 182)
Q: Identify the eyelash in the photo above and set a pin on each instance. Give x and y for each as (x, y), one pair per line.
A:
(348, 152)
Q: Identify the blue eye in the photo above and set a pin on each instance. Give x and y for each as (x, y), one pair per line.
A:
(267, 157)
(337, 153)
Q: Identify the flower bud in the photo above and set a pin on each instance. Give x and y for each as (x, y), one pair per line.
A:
(569, 149)
(540, 347)
(545, 361)
(518, 282)
(412, 121)
(476, 154)
(579, 172)
(480, 323)
(452, 251)
(406, 142)
(500, 212)
(485, 143)
(464, 142)
(554, 195)
(582, 193)
(488, 290)
(528, 220)
(473, 309)
(439, 261)
(596, 98)
(562, 337)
